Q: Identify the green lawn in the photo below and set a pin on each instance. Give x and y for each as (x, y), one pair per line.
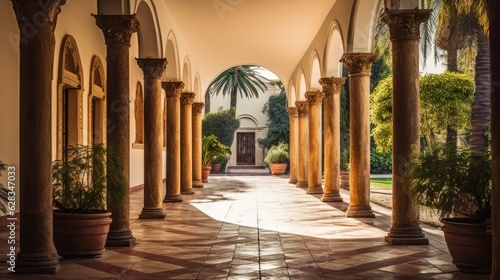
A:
(383, 183)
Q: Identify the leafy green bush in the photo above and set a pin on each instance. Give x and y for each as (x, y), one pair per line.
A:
(277, 154)
(380, 163)
(278, 124)
(212, 149)
(222, 124)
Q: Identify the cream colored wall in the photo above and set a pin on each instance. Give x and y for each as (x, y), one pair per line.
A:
(9, 89)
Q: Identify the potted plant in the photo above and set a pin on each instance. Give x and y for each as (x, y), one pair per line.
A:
(210, 148)
(457, 183)
(277, 158)
(217, 162)
(81, 221)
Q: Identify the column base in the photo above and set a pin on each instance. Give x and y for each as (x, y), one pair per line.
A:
(204, 181)
(302, 184)
(120, 238)
(293, 181)
(406, 236)
(172, 198)
(359, 212)
(187, 191)
(198, 184)
(152, 213)
(331, 197)
(315, 189)
(37, 264)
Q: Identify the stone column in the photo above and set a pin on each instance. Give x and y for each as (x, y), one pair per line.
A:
(493, 11)
(404, 29)
(153, 176)
(118, 30)
(359, 66)
(303, 110)
(187, 99)
(197, 110)
(173, 91)
(331, 88)
(294, 145)
(37, 254)
(314, 99)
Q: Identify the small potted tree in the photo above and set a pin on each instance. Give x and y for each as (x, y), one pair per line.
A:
(210, 149)
(277, 158)
(457, 183)
(81, 221)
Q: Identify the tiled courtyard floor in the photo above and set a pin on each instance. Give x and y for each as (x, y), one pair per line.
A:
(260, 227)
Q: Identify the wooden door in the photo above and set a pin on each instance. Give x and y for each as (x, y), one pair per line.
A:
(245, 148)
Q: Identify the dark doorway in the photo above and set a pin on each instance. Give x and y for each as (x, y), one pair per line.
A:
(245, 148)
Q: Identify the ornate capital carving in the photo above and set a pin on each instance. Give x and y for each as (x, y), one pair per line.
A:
(359, 63)
(32, 15)
(198, 107)
(331, 85)
(302, 108)
(405, 24)
(117, 29)
(152, 67)
(292, 111)
(173, 89)
(314, 97)
(187, 98)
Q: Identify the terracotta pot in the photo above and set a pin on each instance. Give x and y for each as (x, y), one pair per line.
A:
(277, 168)
(470, 245)
(81, 235)
(205, 170)
(216, 167)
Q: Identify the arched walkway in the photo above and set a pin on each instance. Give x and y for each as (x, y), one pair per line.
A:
(258, 227)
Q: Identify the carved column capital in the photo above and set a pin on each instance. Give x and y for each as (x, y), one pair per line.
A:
(198, 107)
(187, 98)
(293, 112)
(331, 85)
(314, 97)
(359, 63)
(117, 29)
(37, 13)
(173, 89)
(152, 67)
(405, 24)
(302, 108)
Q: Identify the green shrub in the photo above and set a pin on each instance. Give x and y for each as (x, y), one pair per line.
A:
(278, 124)
(222, 124)
(277, 154)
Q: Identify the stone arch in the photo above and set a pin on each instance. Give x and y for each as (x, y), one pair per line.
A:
(361, 33)
(291, 96)
(139, 114)
(172, 55)
(314, 72)
(301, 86)
(334, 50)
(186, 74)
(148, 33)
(248, 121)
(97, 102)
(197, 87)
(70, 89)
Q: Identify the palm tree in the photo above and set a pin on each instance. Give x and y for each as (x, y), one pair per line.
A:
(244, 79)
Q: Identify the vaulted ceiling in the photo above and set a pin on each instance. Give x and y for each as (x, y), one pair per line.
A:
(271, 33)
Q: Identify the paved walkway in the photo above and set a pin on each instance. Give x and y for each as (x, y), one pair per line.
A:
(261, 227)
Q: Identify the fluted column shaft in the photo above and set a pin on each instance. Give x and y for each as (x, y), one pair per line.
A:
(359, 65)
(173, 91)
(294, 144)
(303, 165)
(187, 99)
(404, 29)
(331, 88)
(197, 135)
(153, 176)
(314, 99)
(118, 30)
(37, 254)
(493, 11)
